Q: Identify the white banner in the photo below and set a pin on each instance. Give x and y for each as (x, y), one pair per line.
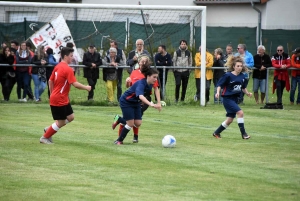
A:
(55, 34)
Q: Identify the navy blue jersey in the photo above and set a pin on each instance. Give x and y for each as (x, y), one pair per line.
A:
(131, 96)
(231, 84)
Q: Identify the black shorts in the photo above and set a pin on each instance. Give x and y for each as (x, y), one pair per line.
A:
(61, 112)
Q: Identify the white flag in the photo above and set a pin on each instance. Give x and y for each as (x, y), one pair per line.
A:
(55, 34)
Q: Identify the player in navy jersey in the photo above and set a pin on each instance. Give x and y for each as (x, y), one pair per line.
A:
(233, 83)
(130, 102)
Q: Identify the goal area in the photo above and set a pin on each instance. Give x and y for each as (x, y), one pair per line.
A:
(98, 24)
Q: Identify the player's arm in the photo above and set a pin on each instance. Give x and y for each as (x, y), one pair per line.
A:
(78, 85)
(247, 92)
(218, 92)
(144, 100)
(157, 94)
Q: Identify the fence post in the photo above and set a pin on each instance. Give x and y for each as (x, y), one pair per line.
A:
(163, 84)
(25, 24)
(267, 87)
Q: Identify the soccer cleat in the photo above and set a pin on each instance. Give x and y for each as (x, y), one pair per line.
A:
(116, 122)
(217, 135)
(246, 136)
(118, 142)
(135, 139)
(45, 140)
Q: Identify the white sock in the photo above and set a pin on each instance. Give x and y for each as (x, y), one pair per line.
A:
(224, 124)
(127, 127)
(55, 127)
(240, 120)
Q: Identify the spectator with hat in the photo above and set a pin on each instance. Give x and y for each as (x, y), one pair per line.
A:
(295, 61)
(92, 61)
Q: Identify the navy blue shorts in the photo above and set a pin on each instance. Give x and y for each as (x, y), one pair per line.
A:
(231, 106)
(133, 112)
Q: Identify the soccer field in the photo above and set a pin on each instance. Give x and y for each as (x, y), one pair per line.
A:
(84, 164)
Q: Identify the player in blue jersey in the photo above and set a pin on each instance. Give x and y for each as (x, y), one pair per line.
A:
(233, 83)
(130, 102)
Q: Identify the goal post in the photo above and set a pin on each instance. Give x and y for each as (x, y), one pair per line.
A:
(100, 23)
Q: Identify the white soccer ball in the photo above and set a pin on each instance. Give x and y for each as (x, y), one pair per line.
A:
(168, 141)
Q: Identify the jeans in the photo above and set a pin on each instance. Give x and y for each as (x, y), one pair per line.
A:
(207, 88)
(23, 79)
(294, 82)
(220, 97)
(181, 77)
(259, 84)
(39, 86)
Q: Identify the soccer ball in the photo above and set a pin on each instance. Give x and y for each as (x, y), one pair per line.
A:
(168, 141)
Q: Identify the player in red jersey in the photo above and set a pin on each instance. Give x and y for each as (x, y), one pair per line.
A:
(144, 62)
(59, 85)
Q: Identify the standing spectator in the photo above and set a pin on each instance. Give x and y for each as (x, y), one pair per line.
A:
(233, 83)
(261, 62)
(121, 55)
(92, 60)
(208, 74)
(229, 52)
(110, 74)
(60, 83)
(162, 58)
(23, 72)
(3, 45)
(182, 58)
(52, 61)
(7, 74)
(74, 60)
(30, 93)
(219, 61)
(14, 44)
(38, 72)
(281, 61)
(132, 60)
(249, 63)
(295, 62)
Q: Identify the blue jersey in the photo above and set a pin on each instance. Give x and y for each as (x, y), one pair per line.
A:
(131, 96)
(231, 84)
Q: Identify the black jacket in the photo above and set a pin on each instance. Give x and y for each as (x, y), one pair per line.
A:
(110, 69)
(259, 61)
(38, 64)
(88, 59)
(218, 73)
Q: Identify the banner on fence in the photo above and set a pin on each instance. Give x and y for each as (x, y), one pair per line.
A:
(55, 34)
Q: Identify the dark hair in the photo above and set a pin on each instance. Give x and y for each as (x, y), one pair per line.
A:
(3, 49)
(182, 41)
(164, 47)
(49, 51)
(15, 42)
(70, 45)
(28, 44)
(149, 71)
(13, 50)
(114, 42)
(65, 51)
(229, 45)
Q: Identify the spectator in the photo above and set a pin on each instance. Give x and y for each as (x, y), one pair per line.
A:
(92, 60)
(121, 55)
(132, 60)
(38, 72)
(249, 63)
(162, 58)
(295, 62)
(110, 74)
(29, 48)
(182, 58)
(219, 61)
(229, 52)
(261, 62)
(74, 60)
(281, 61)
(3, 45)
(23, 72)
(7, 74)
(208, 74)
(14, 44)
(52, 61)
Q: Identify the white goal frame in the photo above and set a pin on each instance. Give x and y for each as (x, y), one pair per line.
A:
(135, 7)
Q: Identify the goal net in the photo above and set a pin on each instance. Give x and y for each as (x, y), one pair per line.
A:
(85, 24)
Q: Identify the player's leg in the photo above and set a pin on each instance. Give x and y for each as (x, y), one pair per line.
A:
(128, 114)
(240, 121)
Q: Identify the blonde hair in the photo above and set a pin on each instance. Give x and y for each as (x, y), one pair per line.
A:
(231, 62)
(219, 51)
(40, 52)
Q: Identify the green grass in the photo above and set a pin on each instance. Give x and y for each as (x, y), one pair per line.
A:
(84, 164)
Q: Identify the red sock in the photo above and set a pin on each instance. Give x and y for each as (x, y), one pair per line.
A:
(135, 130)
(120, 128)
(51, 130)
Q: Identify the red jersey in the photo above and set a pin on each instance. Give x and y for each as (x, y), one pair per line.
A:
(137, 75)
(62, 78)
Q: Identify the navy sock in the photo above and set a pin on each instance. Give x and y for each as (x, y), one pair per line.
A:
(124, 132)
(220, 129)
(242, 128)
